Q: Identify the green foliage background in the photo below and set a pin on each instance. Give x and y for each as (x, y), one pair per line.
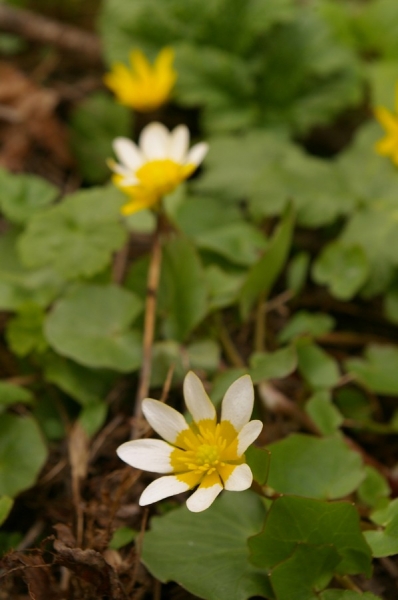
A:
(262, 75)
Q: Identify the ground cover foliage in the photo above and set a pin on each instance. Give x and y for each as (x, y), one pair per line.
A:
(279, 259)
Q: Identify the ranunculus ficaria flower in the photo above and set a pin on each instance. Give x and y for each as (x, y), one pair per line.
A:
(143, 86)
(205, 454)
(154, 168)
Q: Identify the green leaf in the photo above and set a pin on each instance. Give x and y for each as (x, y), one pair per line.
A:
(95, 123)
(391, 303)
(314, 186)
(293, 521)
(346, 595)
(264, 273)
(207, 552)
(306, 323)
(6, 504)
(22, 196)
(223, 286)
(343, 268)
(13, 394)
(49, 418)
(273, 365)
(323, 412)
(19, 285)
(258, 460)
(233, 163)
(317, 367)
(240, 243)
(196, 215)
(78, 236)
(373, 487)
(121, 537)
(24, 332)
(92, 417)
(182, 298)
(317, 468)
(101, 336)
(309, 568)
(384, 542)
(377, 370)
(22, 453)
(87, 386)
(297, 272)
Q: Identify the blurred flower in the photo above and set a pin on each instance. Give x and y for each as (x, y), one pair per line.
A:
(156, 166)
(205, 453)
(388, 146)
(144, 87)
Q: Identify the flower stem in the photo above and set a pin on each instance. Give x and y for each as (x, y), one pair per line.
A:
(149, 326)
(229, 347)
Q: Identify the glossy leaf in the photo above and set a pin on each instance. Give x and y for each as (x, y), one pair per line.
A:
(22, 453)
(207, 552)
(317, 367)
(6, 504)
(344, 269)
(81, 383)
(273, 365)
(183, 297)
(347, 595)
(19, 285)
(374, 487)
(316, 468)
(13, 394)
(323, 412)
(24, 332)
(377, 370)
(101, 336)
(78, 236)
(263, 274)
(293, 521)
(306, 323)
(384, 542)
(23, 196)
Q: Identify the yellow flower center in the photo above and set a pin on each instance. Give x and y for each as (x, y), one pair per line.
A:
(207, 455)
(207, 452)
(163, 176)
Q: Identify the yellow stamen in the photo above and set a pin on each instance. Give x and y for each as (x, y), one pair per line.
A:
(207, 449)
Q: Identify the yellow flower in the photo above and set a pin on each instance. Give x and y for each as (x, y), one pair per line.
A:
(155, 167)
(144, 87)
(205, 455)
(388, 146)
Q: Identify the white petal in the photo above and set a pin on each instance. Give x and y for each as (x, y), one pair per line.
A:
(240, 479)
(148, 455)
(154, 141)
(127, 153)
(203, 497)
(162, 488)
(197, 153)
(163, 419)
(237, 404)
(198, 402)
(248, 434)
(179, 143)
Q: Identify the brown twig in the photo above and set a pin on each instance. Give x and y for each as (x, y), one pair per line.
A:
(40, 29)
(149, 326)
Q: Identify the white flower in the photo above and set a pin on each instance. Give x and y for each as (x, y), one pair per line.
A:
(155, 167)
(205, 453)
